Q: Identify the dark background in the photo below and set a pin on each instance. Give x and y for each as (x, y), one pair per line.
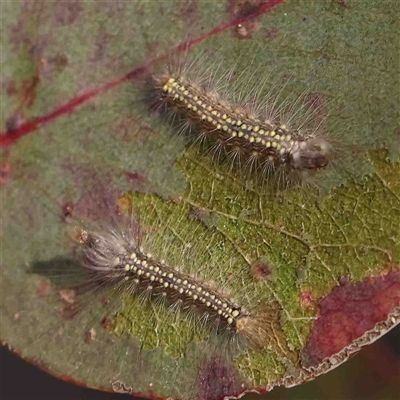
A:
(373, 374)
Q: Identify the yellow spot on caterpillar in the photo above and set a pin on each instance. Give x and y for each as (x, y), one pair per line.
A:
(256, 128)
(240, 134)
(127, 267)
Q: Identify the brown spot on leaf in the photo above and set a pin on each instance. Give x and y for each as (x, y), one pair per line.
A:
(106, 323)
(348, 312)
(68, 295)
(307, 301)
(243, 8)
(70, 311)
(43, 289)
(218, 379)
(14, 122)
(89, 335)
(262, 270)
(29, 87)
(66, 211)
(99, 195)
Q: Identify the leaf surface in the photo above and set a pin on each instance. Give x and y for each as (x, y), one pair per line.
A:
(72, 105)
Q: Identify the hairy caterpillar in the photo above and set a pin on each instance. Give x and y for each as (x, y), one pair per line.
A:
(116, 260)
(259, 134)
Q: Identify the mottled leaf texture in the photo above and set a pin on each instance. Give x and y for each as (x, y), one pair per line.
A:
(77, 130)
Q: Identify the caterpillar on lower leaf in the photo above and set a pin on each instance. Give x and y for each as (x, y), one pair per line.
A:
(116, 261)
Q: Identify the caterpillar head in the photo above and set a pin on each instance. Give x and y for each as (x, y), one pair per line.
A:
(313, 154)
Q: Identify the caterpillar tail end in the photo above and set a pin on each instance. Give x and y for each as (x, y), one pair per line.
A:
(254, 331)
